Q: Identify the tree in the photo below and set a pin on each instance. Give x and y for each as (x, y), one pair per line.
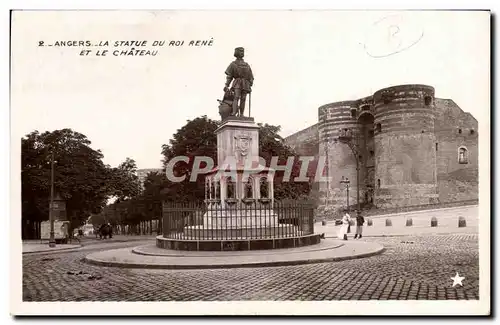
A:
(124, 183)
(80, 177)
(197, 138)
(271, 144)
(154, 194)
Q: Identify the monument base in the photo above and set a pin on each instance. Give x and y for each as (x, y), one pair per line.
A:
(236, 233)
(240, 219)
(236, 245)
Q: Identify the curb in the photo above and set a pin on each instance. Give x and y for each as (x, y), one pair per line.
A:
(87, 244)
(54, 250)
(137, 251)
(412, 235)
(90, 243)
(230, 266)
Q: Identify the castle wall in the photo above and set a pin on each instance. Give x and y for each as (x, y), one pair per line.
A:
(305, 142)
(409, 144)
(340, 159)
(405, 163)
(458, 181)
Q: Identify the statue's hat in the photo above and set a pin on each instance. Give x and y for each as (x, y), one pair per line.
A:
(239, 49)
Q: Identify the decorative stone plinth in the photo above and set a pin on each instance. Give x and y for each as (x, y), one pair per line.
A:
(240, 219)
(238, 232)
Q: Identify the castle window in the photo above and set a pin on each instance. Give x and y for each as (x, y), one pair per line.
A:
(436, 146)
(379, 127)
(463, 155)
(353, 112)
(372, 153)
(428, 100)
(459, 131)
(471, 132)
(371, 133)
(386, 99)
(378, 183)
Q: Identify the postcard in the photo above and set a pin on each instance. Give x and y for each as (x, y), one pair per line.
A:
(250, 162)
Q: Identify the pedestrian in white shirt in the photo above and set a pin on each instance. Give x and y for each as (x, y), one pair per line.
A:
(346, 219)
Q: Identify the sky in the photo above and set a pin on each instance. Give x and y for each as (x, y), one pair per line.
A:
(128, 106)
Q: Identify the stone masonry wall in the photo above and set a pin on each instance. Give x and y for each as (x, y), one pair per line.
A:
(415, 149)
(456, 129)
(405, 167)
(305, 142)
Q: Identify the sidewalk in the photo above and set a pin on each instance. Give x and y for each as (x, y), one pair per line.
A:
(149, 256)
(90, 240)
(421, 223)
(31, 247)
(38, 246)
(461, 210)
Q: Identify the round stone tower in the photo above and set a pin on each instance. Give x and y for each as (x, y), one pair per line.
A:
(405, 146)
(339, 159)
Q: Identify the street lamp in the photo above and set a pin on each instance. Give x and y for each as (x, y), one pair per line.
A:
(52, 241)
(346, 136)
(346, 181)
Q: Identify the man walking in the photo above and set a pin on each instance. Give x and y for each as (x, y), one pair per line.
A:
(346, 219)
(359, 225)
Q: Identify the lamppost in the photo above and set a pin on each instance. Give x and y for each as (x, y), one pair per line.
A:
(52, 241)
(347, 138)
(346, 181)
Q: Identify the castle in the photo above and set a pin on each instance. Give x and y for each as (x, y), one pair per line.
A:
(412, 149)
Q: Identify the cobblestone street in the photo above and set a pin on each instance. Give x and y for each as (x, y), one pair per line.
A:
(412, 267)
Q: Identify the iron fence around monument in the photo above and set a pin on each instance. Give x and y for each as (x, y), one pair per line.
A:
(237, 221)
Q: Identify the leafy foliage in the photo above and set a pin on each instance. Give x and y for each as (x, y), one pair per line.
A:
(80, 176)
(87, 184)
(197, 138)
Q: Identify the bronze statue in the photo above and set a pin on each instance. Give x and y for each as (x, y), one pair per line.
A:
(226, 104)
(240, 73)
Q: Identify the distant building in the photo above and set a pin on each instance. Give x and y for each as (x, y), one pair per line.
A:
(414, 149)
(143, 173)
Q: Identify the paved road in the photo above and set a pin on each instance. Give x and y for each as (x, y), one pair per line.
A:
(412, 267)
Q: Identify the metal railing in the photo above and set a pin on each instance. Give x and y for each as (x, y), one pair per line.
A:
(252, 219)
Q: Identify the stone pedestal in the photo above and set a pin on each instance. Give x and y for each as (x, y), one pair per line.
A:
(239, 193)
(237, 140)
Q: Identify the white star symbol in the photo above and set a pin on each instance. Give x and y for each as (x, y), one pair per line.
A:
(457, 280)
